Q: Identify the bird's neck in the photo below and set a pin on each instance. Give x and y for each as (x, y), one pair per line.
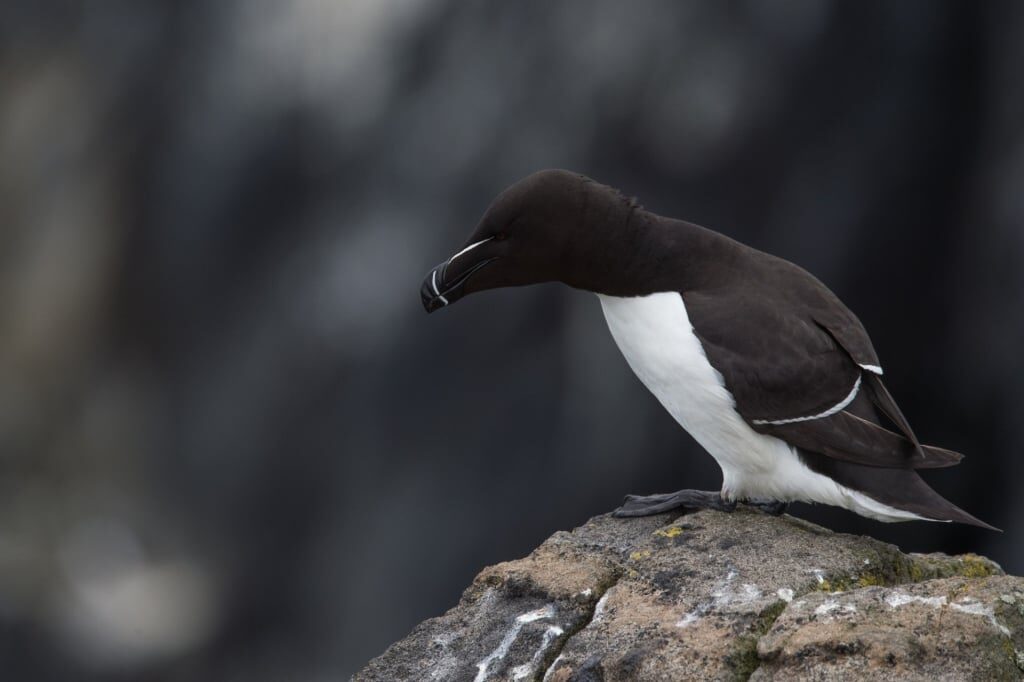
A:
(642, 253)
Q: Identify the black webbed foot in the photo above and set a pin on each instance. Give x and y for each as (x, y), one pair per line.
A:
(771, 507)
(691, 500)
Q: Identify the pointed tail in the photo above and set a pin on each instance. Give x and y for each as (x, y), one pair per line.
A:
(898, 488)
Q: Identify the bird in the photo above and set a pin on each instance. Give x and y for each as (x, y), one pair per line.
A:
(752, 355)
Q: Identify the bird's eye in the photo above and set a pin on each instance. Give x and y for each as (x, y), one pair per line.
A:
(500, 236)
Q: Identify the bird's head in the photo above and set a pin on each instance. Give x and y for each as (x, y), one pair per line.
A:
(551, 226)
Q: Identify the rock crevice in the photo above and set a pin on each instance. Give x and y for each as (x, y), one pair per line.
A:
(596, 609)
(723, 597)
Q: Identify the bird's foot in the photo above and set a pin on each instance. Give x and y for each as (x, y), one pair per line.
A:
(689, 500)
(771, 507)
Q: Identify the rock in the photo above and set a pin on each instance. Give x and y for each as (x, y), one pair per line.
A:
(713, 596)
(952, 628)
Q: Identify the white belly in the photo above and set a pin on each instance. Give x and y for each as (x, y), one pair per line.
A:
(655, 336)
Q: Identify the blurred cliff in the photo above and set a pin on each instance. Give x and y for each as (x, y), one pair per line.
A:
(232, 446)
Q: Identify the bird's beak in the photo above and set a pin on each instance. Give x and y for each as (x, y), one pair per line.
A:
(446, 282)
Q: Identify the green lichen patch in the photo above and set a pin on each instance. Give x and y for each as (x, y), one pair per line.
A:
(743, 660)
(767, 618)
(886, 567)
(930, 566)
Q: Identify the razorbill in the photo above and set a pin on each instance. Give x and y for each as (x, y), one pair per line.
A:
(752, 355)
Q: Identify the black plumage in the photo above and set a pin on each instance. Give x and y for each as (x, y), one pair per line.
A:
(798, 363)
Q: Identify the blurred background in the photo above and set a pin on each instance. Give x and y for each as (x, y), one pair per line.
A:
(232, 445)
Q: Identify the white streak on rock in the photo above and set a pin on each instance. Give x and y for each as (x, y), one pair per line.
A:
(599, 608)
(539, 614)
(510, 637)
(897, 599)
(785, 594)
(976, 608)
(722, 595)
(551, 668)
(688, 620)
(966, 605)
(834, 605)
(748, 593)
(525, 670)
(827, 607)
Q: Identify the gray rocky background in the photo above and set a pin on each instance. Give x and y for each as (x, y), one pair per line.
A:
(233, 447)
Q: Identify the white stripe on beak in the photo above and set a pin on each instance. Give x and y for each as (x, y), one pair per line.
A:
(433, 283)
(468, 249)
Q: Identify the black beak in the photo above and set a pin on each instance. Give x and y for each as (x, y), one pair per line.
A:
(436, 292)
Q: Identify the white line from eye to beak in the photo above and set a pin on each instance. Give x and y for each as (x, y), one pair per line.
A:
(433, 283)
(469, 248)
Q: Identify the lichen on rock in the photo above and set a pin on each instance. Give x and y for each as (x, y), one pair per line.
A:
(713, 596)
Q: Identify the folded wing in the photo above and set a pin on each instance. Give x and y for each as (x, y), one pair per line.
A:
(794, 375)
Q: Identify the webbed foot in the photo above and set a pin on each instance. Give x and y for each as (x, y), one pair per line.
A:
(691, 500)
(771, 507)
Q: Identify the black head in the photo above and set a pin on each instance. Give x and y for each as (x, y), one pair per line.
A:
(550, 226)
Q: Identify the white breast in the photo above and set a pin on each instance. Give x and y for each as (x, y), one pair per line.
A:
(655, 336)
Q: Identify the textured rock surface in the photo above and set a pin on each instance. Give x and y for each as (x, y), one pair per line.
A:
(721, 596)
